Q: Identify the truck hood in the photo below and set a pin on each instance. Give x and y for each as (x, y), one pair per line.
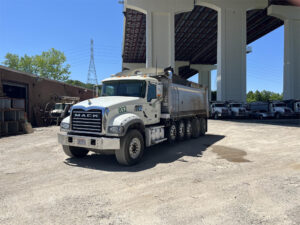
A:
(220, 109)
(283, 109)
(105, 102)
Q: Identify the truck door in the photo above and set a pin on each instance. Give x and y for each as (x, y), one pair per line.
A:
(153, 107)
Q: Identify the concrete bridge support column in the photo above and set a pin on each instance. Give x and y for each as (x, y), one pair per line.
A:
(291, 17)
(179, 64)
(232, 41)
(204, 75)
(133, 66)
(160, 28)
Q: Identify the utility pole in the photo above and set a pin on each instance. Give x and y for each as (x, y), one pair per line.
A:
(92, 76)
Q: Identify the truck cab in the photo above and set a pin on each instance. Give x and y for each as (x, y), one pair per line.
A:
(136, 109)
(60, 108)
(280, 110)
(219, 110)
(237, 110)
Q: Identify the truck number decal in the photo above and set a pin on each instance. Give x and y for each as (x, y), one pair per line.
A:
(122, 109)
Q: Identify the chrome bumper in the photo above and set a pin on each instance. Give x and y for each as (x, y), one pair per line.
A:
(100, 143)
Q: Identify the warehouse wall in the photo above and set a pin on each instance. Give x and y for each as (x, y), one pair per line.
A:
(40, 91)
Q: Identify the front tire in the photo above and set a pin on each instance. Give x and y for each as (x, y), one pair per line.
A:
(75, 152)
(202, 126)
(216, 116)
(132, 148)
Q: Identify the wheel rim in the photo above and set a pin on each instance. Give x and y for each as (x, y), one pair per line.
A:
(188, 129)
(173, 132)
(135, 148)
(181, 130)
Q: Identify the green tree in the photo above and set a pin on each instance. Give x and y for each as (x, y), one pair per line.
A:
(50, 64)
(80, 84)
(84, 85)
(12, 61)
(26, 64)
(250, 97)
(263, 96)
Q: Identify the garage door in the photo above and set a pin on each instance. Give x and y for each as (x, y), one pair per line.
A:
(15, 90)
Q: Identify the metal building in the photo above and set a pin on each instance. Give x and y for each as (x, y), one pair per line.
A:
(35, 92)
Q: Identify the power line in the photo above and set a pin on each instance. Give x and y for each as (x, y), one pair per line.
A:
(92, 76)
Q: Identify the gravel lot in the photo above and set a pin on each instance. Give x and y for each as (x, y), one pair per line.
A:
(240, 173)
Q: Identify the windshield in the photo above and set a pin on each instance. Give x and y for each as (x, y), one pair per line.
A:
(280, 105)
(59, 106)
(236, 105)
(220, 105)
(132, 88)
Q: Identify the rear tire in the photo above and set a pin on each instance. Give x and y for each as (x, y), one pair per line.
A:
(202, 126)
(75, 152)
(195, 128)
(188, 130)
(132, 148)
(181, 130)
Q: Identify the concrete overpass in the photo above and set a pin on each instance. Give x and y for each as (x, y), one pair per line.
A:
(194, 35)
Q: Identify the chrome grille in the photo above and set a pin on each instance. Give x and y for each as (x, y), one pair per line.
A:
(87, 121)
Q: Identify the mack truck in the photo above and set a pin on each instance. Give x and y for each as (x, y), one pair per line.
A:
(219, 110)
(137, 109)
(294, 105)
(273, 109)
(280, 109)
(237, 110)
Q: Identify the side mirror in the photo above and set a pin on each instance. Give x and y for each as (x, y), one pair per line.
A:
(159, 92)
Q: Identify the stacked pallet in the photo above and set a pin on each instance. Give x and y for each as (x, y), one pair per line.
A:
(12, 116)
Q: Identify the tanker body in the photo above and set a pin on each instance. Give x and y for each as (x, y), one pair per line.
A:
(137, 109)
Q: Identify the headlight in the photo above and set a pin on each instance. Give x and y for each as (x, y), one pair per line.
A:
(116, 130)
(64, 126)
(106, 111)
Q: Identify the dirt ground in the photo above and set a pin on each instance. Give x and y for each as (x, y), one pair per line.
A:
(239, 173)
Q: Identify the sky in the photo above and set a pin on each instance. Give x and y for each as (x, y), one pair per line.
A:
(32, 26)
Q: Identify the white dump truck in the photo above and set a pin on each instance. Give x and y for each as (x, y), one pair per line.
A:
(237, 110)
(295, 106)
(280, 109)
(219, 110)
(273, 109)
(137, 109)
(260, 110)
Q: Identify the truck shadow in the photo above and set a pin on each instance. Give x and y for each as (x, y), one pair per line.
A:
(162, 153)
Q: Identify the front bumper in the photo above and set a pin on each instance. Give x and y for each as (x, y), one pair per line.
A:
(223, 114)
(287, 115)
(100, 143)
(239, 114)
